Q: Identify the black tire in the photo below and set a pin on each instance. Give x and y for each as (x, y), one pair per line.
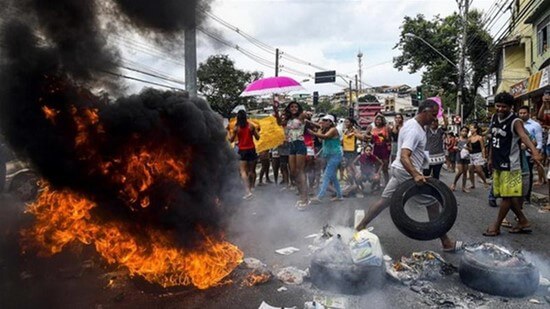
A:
(24, 186)
(347, 278)
(423, 230)
(508, 281)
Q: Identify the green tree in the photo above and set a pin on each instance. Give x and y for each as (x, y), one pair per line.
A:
(221, 83)
(340, 111)
(324, 106)
(444, 35)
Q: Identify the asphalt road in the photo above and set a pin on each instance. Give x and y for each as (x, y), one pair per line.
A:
(78, 278)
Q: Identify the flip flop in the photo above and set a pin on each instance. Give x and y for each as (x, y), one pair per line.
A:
(490, 233)
(520, 230)
(459, 245)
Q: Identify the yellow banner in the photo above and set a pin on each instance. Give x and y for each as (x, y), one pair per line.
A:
(271, 134)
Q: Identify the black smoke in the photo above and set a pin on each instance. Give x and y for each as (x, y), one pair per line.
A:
(55, 55)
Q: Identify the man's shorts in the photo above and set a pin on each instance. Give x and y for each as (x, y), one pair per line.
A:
(507, 183)
(297, 148)
(398, 177)
(248, 155)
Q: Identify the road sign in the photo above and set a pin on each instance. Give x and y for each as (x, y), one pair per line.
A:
(325, 77)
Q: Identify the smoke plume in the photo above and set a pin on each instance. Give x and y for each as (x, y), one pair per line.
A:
(55, 56)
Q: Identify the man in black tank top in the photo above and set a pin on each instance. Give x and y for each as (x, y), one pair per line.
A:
(504, 157)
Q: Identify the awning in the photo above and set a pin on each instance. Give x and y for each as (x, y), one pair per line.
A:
(532, 86)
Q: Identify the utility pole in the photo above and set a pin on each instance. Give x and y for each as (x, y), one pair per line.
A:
(350, 95)
(276, 62)
(190, 61)
(359, 60)
(459, 101)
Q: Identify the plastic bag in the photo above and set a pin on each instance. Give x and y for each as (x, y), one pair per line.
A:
(365, 249)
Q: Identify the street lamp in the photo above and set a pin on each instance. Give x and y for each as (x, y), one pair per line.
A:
(410, 35)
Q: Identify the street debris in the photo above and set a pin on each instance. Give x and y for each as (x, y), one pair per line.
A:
(313, 305)
(312, 235)
(265, 305)
(252, 263)
(450, 299)
(424, 265)
(332, 302)
(287, 250)
(535, 301)
(282, 289)
(544, 281)
(365, 249)
(291, 275)
(257, 276)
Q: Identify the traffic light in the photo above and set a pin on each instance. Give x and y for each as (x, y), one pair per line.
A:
(419, 95)
(315, 98)
(350, 112)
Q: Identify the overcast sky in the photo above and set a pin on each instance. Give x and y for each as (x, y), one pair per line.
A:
(326, 33)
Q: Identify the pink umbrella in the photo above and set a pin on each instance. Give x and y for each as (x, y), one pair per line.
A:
(271, 85)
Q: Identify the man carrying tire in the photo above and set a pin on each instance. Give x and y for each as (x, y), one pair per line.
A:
(507, 134)
(409, 163)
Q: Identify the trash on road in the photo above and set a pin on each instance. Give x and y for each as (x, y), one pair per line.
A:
(291, 275)
(252, 263)
(257, 276)
(332, 302)
(535, 301)
(287, 250)
(265, 305)
(313, 305)
(424, 265)
(282, 289)
(365, 249)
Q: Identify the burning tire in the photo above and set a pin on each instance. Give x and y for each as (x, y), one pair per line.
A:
(432, 229)
(24, 186)
(504, 280)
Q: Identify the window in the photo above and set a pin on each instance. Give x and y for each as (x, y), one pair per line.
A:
(543, 34)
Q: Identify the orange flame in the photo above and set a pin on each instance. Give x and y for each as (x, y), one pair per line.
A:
(50, 113)
(256, 278)
(63, 217)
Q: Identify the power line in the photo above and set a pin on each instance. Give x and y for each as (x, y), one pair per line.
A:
(141, 80)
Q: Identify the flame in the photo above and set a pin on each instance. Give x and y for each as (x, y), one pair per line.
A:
(256, 278)
(50, 113)
(63, 217)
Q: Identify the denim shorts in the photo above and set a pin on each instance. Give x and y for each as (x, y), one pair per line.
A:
(297, 148)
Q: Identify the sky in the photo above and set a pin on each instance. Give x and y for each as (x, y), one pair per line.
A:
(327, 34)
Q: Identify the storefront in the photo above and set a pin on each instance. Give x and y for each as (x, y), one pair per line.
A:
(530, 90)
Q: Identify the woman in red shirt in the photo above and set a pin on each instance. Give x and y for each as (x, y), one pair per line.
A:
(244, 131)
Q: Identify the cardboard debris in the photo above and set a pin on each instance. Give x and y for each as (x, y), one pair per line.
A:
(424, 265)
(287, 250)
(265, 305)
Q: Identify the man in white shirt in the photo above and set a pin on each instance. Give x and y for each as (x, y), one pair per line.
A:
(409, 163)
(534, 129)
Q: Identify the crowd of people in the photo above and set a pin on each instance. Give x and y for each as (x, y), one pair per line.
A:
(318, 159)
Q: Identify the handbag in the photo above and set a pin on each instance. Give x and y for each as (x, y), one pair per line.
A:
(464, 154)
